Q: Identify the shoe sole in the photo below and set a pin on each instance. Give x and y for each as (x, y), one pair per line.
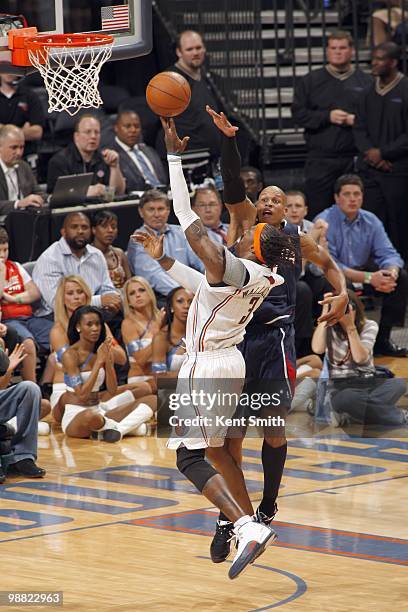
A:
(111, 435)
(255, 550)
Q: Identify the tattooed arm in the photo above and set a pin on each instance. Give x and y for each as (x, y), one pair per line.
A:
(210, 253)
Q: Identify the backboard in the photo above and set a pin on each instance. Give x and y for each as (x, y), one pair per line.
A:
(128, 21)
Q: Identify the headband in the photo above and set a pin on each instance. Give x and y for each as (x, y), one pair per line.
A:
(257, 241)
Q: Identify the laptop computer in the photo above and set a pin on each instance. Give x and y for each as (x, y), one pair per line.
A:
(70, 190)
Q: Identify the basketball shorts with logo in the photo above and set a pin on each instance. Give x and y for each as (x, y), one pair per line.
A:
(207, 395)
(270, 359)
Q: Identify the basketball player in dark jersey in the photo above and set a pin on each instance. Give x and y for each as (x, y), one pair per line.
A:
(269, 344)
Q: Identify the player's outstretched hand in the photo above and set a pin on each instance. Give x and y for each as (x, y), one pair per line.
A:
(152, 244)
(222, 122)
(334, 307)
(173, 143)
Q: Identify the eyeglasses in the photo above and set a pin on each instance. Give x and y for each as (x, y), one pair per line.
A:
(89, 132)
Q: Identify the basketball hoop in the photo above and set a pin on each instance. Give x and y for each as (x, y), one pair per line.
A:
(69, 64)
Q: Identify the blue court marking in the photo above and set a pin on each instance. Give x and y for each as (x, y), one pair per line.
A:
(292, 535)
(135, 502)
(347, 486)
(301, 586)
(34, 519)
(146, 476)
(373, 449)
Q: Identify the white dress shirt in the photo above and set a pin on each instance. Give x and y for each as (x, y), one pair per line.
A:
(12, 180)
(129, 151)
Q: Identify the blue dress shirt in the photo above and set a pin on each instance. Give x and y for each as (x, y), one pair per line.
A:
(353, 243)
(175, 245)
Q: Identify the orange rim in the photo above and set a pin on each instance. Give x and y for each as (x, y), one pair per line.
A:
(46, 41)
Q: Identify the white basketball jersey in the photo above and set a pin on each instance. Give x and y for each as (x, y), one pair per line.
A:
(218, 315)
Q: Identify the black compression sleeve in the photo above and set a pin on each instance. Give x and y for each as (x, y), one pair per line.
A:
(234, 188)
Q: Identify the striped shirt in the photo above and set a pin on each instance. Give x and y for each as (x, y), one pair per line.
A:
(58, 261)
(338, 354)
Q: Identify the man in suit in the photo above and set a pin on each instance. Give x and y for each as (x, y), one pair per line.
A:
(141, 166)
(18, 187)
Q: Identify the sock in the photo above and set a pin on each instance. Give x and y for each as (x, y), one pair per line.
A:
(223, 517)
(273, 462)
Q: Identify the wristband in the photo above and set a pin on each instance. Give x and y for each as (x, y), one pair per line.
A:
(367, 278)
(161, 257)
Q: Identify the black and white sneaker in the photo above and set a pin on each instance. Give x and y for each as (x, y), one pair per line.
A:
(261, 517)
(220, 548)
(253, 538)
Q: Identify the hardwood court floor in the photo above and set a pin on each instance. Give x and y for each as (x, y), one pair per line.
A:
(115, 527)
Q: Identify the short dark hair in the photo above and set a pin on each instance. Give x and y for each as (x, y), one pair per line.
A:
(256, 171)
(69, 216)
(85, 116)
(209, 187)
(341, 35)
(4, 237)
(151, 195)
(391, 50)
(102, 217)
(347, 179)
(125, 111)
(73, 334)
(296, 192)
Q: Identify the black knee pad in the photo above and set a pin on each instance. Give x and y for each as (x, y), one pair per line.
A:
(192, 464)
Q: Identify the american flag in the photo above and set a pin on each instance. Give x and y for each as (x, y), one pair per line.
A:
(115, 17)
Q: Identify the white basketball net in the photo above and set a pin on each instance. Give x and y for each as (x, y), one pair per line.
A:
(71, 84)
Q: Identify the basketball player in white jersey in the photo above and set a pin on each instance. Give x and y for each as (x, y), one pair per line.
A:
(225, 299)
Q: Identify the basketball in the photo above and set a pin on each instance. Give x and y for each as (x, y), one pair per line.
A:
(168, 94)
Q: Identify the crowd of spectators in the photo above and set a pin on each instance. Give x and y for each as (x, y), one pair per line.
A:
(103, 315)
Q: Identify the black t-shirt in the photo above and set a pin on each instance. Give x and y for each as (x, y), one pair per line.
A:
(24, 105)
(69, 161)
(195, 122)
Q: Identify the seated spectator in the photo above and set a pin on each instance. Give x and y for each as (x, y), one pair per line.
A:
(73, 254)
(206, 203)
(83, 155)
(83, 409)
(18, 187)
(105, 232)
(360, 246)
(142, 322)
(154, 208)
(18, 292)
(140, 164)
(354, 389)
(385, 21)
(253, 182)
(20, 106)
(168, 348)
(72, 293)
(22, 401)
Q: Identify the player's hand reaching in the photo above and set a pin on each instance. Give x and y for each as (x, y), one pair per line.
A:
(222, 122)
(173, 143)
(334, 307)
(152, 244)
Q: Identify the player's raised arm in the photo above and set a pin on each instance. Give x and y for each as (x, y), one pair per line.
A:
(242, 211)
(210, 253)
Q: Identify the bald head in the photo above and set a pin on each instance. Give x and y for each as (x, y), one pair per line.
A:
(11, 144)
(271, 205)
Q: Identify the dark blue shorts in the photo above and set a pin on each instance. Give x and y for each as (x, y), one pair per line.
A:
(270, 360)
